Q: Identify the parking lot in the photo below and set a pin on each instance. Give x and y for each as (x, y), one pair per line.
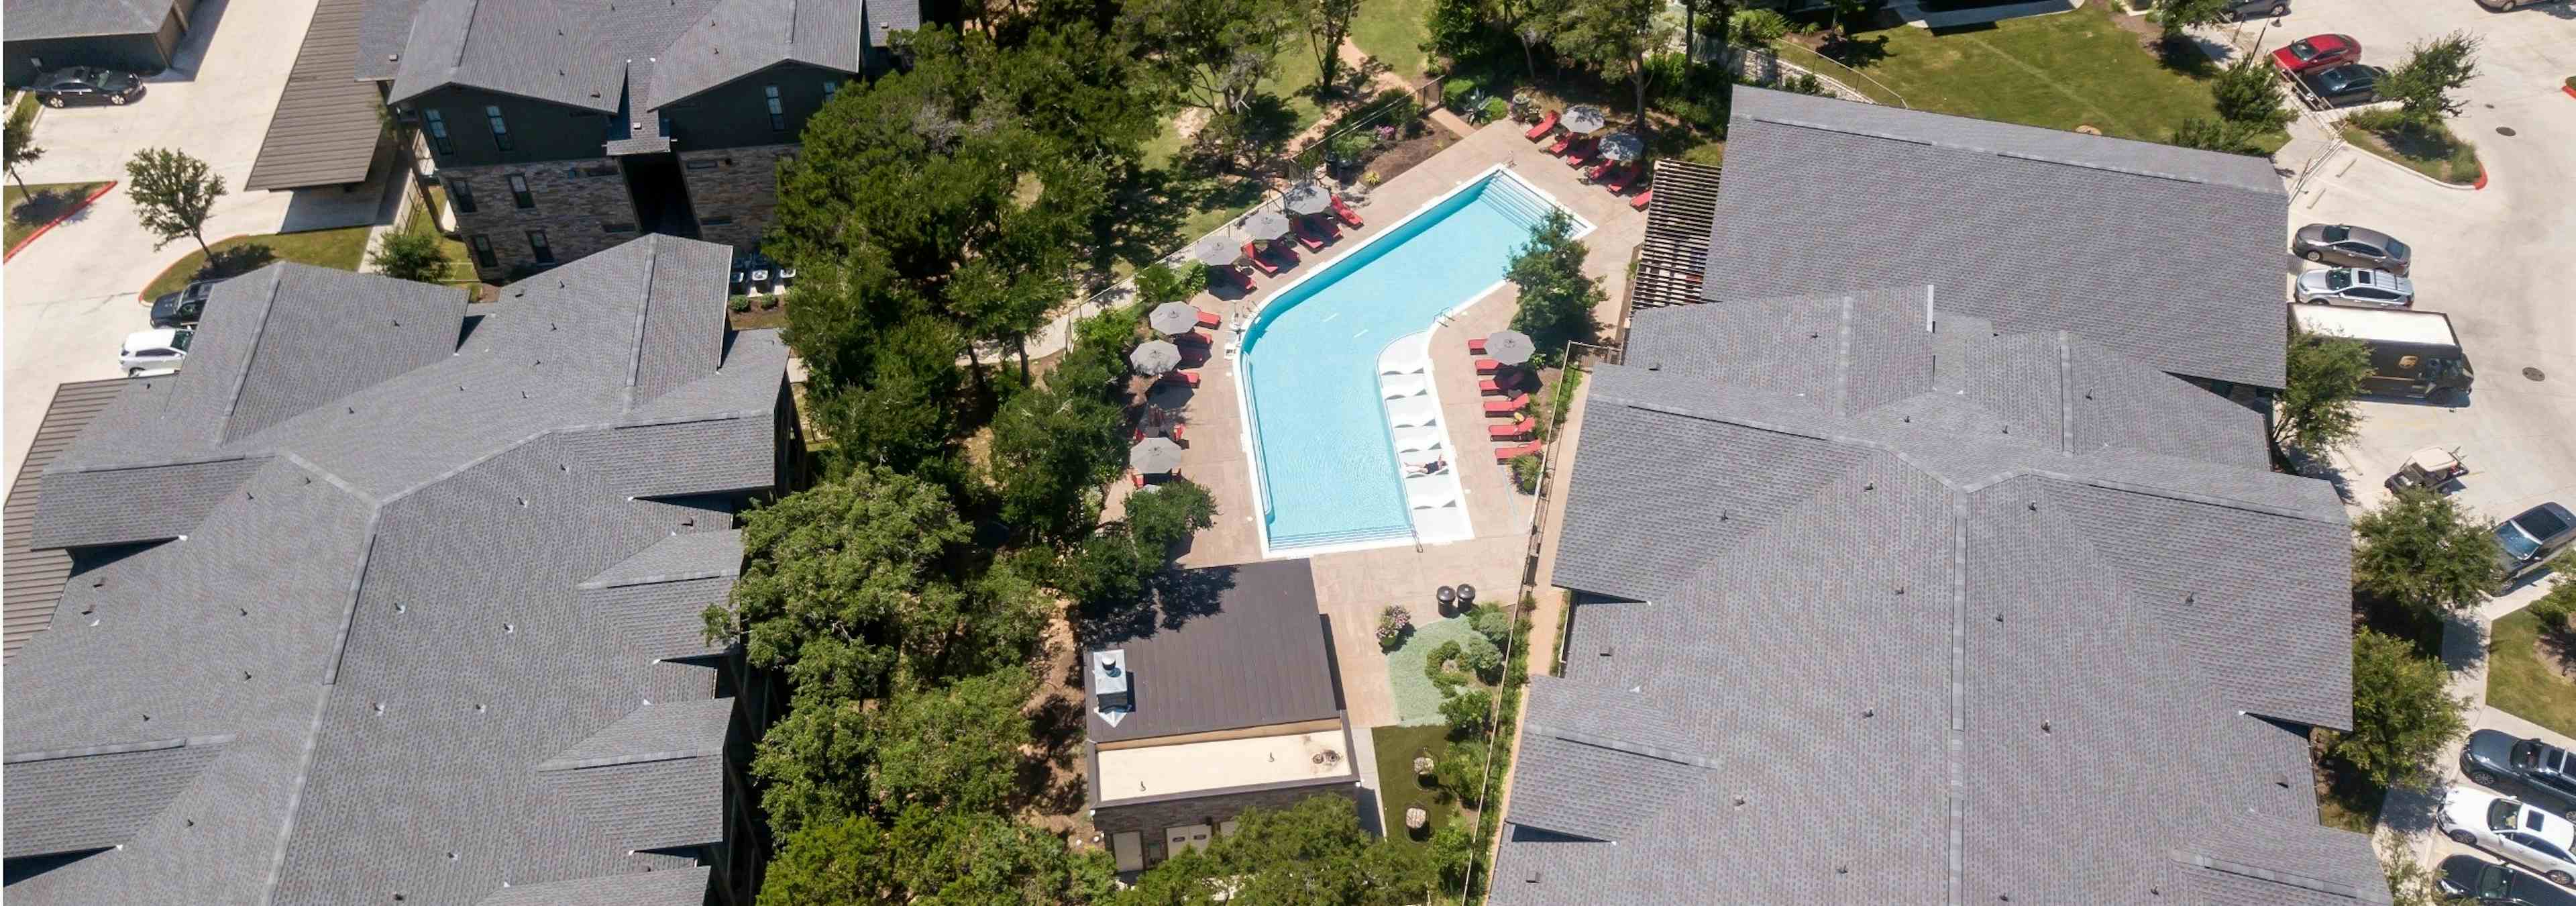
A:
(2494, 259)
(71, 293)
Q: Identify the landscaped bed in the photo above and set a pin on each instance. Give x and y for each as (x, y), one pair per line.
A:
(35, 206)
(2528, 672)
(341, 248)
(2433, 151)
(1417, 701)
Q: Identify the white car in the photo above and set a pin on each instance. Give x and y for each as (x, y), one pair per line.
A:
(2508, 828)
(154, 350)
(2356, 286)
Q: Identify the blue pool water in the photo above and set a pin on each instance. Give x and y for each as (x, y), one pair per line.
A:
(1310, 360)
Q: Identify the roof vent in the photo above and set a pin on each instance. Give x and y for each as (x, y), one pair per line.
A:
(1109, 680)
(1533, 876)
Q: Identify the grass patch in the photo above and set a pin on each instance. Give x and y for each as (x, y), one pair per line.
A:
(2434, 152)
(1393, 31)
(1399, 788)
(1292, 81)
(460, 260)
(30, 209)
(1417, 701)
(2523, 684)
(340, 248)
(2058, 71)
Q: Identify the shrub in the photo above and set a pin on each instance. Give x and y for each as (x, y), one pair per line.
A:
(1352, 147)
(1393, 624)
(1493, 624)
(2556, 610)
(2249, 94)
(1525, 472)
(1482, 658)
(1461, 774)
(1497, 108)
(1455, 90)
(740, 304)
(1468, 714)
(1169, 283)
(2403, 714)
(1454, 850)
(410, 255)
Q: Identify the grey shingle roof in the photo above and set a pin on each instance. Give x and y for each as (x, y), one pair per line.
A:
(386, 618)
(1243, 646)
(691, 555)
(92, 801)
(741, 37)
(1909, 554)
(669, 887)
(2146, 249)
(661, 619)
(127, 505)
(539, 49)
(38, 19)
(886, 17)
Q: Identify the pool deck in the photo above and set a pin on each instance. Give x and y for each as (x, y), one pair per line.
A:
(1352, 586)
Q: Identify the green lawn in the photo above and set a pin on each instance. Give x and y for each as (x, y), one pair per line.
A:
(1393, 32)
(340, 248)
(2438, 154)
(2520, 683)
(2058, 71)
(1294, 73)
(460, 263)
(50, 201)
(1398, 787)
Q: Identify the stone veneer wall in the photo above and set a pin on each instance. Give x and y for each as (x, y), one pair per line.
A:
(573, 206)
(740, 184)
(1151, 818)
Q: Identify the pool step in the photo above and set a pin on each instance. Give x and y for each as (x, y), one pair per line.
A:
(1346, 536)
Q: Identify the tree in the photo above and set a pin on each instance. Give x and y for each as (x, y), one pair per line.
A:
(951, 748)
(1171, 514)
(2423, 84)
(2317, 411)
(173, 194)
(931, 857)
(1165, 283)
(2249, 94)
(2410, 883)
(2423, 551)
(1845, 13)
(1528, 20)
(1556, 298)
(2181, 15)
(1326, 23)
(410, 255)
(1615, 37)
(1468, 713)
(1054, 447)
(21, 140)
(904, 412)
(1313, 852)
(2403, 714)
(1757, 29)
(1211, 54)
(2209, 134)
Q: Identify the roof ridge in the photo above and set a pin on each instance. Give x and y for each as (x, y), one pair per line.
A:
(120, 748)
(240, 379)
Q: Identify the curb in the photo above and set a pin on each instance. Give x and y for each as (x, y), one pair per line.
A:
(2482, 179)
(2410, 171)
(2570, 89)
(58, 218)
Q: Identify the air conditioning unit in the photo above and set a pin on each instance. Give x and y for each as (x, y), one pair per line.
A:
(1109, 680)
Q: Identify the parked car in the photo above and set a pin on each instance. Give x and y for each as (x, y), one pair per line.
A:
(2356, 286)
(2340, 85)
(2316, 52)
(2352, 246)
(153, 350)
(2494, 755)
(2506, 6)
(2489, 884)
(86, 85)
(2523, 835)
(2242, 10)
(2533, 537)
(182, 308)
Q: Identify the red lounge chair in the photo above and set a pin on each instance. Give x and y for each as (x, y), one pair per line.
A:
(1486, 366)
(1140, 478)
(1327, 227)
(1182, 378)
(1259, 262)
(1503, 407)
(1619, 180)
(1562, 142)
(1602, 169)
(1505, 454)
(1582, 153)
(1307, 235)
(1347, 215)
(1545, 124)
(1642, 199)
(1476, 346)
(1209, 319)
(1519, 429)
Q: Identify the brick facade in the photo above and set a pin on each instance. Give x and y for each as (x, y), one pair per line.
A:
(735, 187)
(1149, 819)
(575, 202)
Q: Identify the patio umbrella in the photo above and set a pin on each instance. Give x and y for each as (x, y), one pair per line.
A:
(1216, 251)
(1154, 456)
(1169, 396)
(1306, 198)
(1173, 319)
(1155, 357)
(1623, 147)
(1510, 347)
(1265, 225)
(1584, 119)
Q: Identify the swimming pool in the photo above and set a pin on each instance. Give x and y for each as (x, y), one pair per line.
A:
(1323, 455)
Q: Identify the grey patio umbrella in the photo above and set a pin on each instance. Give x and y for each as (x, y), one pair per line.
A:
(1169, 396)
(1173, 319)
(1216, 251)
(1154, 456)
(1155, 357)
(1265, 224)
(1510, 347)
(1585, 119)
(1623, 147)
(1306, 198)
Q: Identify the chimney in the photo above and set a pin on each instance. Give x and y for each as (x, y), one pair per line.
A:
(1109, 680)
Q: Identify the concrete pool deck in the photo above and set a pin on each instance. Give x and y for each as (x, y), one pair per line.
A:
(1351, 587)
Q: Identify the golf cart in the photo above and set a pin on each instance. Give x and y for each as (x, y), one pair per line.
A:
(2431, 467)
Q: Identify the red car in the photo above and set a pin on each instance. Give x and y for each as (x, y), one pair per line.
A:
(2316, 52)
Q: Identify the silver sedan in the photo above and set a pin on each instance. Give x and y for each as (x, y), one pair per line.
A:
(2356, 286)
